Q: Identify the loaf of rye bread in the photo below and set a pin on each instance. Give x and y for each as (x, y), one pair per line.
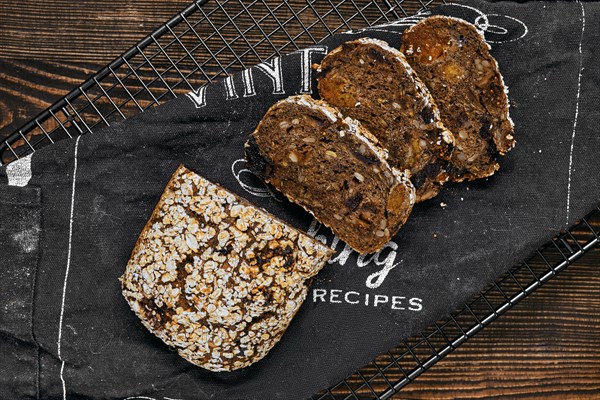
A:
(216, 278)
(452, 58)
(331, 166)
(372, 82)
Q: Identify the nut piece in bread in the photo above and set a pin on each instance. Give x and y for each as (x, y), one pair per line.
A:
(217, 278)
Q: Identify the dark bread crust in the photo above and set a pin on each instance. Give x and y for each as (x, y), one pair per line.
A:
(453, 59)
(372, 82)
(332, 167)
(258, 162)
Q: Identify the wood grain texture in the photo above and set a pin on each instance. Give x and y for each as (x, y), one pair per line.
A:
(60, 29)
(547, 347)
(27, 87)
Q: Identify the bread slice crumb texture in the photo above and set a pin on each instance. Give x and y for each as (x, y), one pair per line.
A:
(333, 167)
(372, 82)
(452, 58)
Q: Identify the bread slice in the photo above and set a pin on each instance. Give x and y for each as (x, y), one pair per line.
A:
(217, 278)
(330, 165)
(372, 82)
(452, 58)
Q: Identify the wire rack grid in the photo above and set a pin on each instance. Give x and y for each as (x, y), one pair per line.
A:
(205, 41)
(212, 39)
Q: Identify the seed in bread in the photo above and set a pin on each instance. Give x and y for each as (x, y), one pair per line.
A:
(372, 82)
(332, 166)
(216, 278)
(452, 58)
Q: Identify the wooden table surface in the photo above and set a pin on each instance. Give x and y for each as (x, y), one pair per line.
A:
(546, 347)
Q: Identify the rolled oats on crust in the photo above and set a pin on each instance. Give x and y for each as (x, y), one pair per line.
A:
(217, 278)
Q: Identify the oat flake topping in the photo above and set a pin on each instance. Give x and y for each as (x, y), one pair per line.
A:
(217, 278)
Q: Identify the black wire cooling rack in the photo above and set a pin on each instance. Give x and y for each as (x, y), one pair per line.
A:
(211, 39)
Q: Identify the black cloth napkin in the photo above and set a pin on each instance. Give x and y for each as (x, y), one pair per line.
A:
(68, 226)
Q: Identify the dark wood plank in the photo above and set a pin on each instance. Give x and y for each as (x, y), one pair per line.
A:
(86, 31)
(27, 87)
(94, 31)
(547, 347)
